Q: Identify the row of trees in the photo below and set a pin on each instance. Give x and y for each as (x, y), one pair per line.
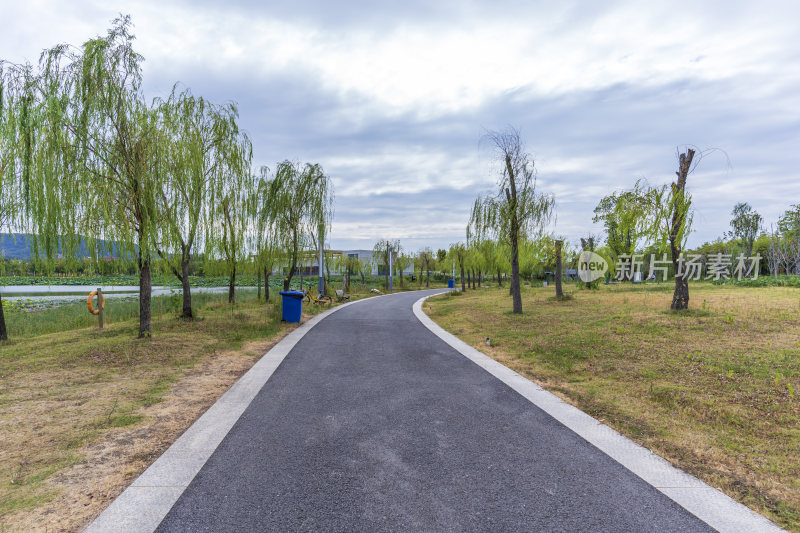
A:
(646, 218)
(506, 230)
(84, 157)
(640, 220)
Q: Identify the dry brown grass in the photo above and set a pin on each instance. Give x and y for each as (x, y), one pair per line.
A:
(83, 412)
(715, 390)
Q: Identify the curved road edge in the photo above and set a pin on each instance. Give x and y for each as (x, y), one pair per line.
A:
(705, 502)
(143, 505)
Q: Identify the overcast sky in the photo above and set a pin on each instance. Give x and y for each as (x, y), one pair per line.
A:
(393, 100)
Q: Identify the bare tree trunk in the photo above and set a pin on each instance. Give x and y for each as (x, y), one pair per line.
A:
(469, 279)
(145, 293)
(428, 279)
(266, 284)
(680, 298)
(258, 283)
(559, 291)
(3, 332)
(231, 286)
(499, 279)
(187, 291)
(515, 288)
(463, 288)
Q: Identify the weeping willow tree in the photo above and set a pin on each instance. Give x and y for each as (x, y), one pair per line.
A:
(266, 244)
(301, 203)
(517, 209)
(94, 170)
(494, 257)
(233, 207)
(201, 144)
(10, 193)
(458, 256)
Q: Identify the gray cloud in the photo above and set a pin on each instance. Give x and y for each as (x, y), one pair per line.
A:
(586, 145)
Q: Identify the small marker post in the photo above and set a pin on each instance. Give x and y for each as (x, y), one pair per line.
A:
(100, 307)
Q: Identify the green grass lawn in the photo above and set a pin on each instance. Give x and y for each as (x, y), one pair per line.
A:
(715, 390)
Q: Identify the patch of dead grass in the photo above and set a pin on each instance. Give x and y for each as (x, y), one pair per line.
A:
(110, 463)
(82, 412)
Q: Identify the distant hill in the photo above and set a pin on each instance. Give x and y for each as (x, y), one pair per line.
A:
(18, 246)
(15, 246)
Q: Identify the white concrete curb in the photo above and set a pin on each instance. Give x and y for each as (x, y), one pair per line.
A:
(706, 503)
(145, 503)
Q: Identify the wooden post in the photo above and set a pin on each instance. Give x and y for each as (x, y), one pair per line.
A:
(100, 307)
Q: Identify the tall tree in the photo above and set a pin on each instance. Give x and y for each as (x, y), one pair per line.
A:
(492, 258)
(559, 245)
(301, 200)
(625, 217)
(401, 263)
(266, 242)
(201, 144)
(745, 225)
(364, 268)
(10, 194)
(672, 222)
(789, 223)
(458, 253)
(233, 202)
(789, 243)
(425, 257)
(99, 144)
(382, 253)
(517, 208)
(587, 245)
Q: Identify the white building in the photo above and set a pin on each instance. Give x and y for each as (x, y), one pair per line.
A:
(377, 270)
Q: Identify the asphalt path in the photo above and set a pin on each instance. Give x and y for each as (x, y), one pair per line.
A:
(372, 423)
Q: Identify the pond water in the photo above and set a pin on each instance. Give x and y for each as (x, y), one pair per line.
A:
(41, 290)
(33, 297)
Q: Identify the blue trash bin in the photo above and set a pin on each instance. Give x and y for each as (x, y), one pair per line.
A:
(451, 283)
(292, 303)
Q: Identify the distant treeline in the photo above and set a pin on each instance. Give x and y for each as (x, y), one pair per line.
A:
(19, 246)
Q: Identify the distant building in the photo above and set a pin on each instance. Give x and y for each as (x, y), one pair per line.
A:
(377, 270)
(309, 264)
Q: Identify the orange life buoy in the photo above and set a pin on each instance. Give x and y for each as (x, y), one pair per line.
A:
(91, 307)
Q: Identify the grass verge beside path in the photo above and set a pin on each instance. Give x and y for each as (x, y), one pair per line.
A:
(715, 390)
(83, 411)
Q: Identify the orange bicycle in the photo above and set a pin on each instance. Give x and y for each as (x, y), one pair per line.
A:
(322, 300)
